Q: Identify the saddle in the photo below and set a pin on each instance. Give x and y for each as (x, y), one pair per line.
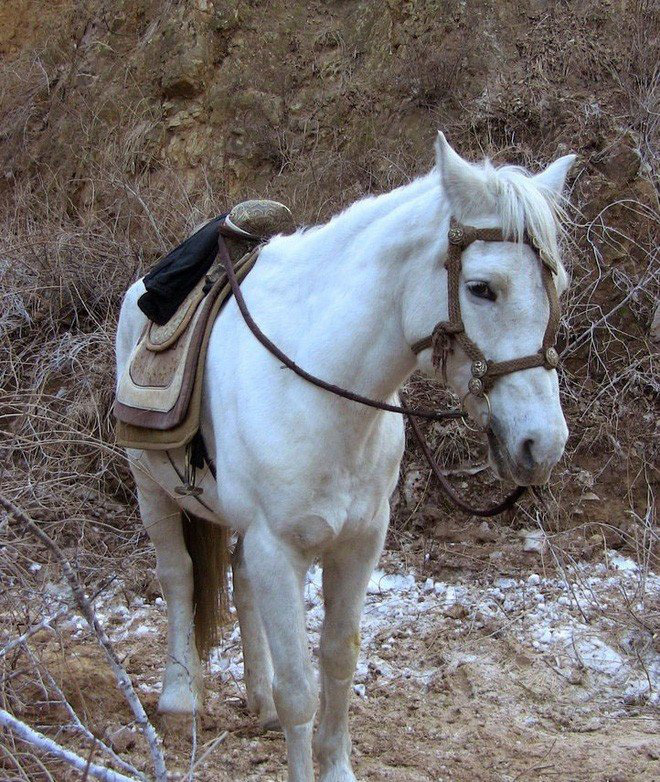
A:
(159, 395)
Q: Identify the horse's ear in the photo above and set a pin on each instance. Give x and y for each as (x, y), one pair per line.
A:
(553, 178)
(464, 183)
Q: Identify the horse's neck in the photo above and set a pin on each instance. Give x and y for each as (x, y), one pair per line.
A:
(363, 213)
(353, 332)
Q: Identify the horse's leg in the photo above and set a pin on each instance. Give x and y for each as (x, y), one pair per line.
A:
(277, 573)
(183, 682)
(346, 572)
(256, 655)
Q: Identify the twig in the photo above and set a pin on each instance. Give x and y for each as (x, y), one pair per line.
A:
(215, 743)
(45, 623)
(43, 743)
(81, 728)
(561, 568)
(539, 766)
(123, 680)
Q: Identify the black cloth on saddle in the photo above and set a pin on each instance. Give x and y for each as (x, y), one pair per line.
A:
(177, 273)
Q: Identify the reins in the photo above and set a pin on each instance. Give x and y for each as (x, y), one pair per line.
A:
(449, 490)
(272, 348)
(410, 413)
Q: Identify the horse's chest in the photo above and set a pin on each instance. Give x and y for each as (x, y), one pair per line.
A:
(329, 504)
(346, 489)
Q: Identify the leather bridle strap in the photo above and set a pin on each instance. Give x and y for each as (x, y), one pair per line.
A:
(272, 348)
(411, 414)
(484, 372)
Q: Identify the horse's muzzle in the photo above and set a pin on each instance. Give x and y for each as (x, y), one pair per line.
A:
(533, 460)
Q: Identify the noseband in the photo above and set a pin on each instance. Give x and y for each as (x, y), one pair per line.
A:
(446, 332)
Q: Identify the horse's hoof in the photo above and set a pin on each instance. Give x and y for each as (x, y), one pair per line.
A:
(179, 702)
(271, 723)
(340, 773)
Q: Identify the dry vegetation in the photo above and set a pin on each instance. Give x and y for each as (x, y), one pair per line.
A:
(122, 126)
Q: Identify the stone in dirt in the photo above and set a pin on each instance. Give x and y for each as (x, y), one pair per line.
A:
(120, 738)
(533, 541)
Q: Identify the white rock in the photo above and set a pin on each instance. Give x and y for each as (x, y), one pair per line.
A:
(505, 583)
(534, 540)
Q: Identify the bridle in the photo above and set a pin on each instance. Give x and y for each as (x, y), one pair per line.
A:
(484, 373)
(446, 332)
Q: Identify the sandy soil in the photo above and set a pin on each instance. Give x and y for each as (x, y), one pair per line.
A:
(493, 680)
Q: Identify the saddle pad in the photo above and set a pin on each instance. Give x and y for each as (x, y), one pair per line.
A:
(158, 400)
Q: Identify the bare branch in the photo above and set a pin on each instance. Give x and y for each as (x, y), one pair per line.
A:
(81, 728)
(43, 743)
(46, 623)
(123, 680)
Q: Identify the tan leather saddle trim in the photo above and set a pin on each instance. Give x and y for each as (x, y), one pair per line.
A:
(160, 338)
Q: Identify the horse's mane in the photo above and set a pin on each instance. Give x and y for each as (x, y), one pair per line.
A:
(524, 206)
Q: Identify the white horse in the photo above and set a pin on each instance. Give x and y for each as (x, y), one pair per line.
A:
(302, 473)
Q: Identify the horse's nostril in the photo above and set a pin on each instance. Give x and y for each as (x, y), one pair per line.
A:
(527, 453)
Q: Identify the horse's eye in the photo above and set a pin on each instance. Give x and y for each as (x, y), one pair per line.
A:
(482, 290)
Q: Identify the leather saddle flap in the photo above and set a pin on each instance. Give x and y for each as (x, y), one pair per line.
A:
(155, 390)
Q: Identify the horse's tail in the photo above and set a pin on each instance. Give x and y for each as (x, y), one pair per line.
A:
(208, 546)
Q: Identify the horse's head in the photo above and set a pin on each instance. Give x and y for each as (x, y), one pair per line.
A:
(502, 296)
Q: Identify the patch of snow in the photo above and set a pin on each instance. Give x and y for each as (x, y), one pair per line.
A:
(143, 630)
(539, 613)
(619, 562)
(597, 656)
(381, 582)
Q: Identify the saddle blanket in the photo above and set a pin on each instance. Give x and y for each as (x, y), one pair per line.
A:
(158, 401)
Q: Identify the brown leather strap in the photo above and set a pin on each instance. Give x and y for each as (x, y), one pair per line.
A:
(431, 415)
(485, 372)
(508, 502)
(422, 344)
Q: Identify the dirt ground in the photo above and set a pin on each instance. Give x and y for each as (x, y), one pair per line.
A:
(465, 679)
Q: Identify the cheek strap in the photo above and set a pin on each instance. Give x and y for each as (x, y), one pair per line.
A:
(484, 372)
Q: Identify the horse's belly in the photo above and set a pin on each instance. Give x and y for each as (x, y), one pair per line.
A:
(166, 468)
